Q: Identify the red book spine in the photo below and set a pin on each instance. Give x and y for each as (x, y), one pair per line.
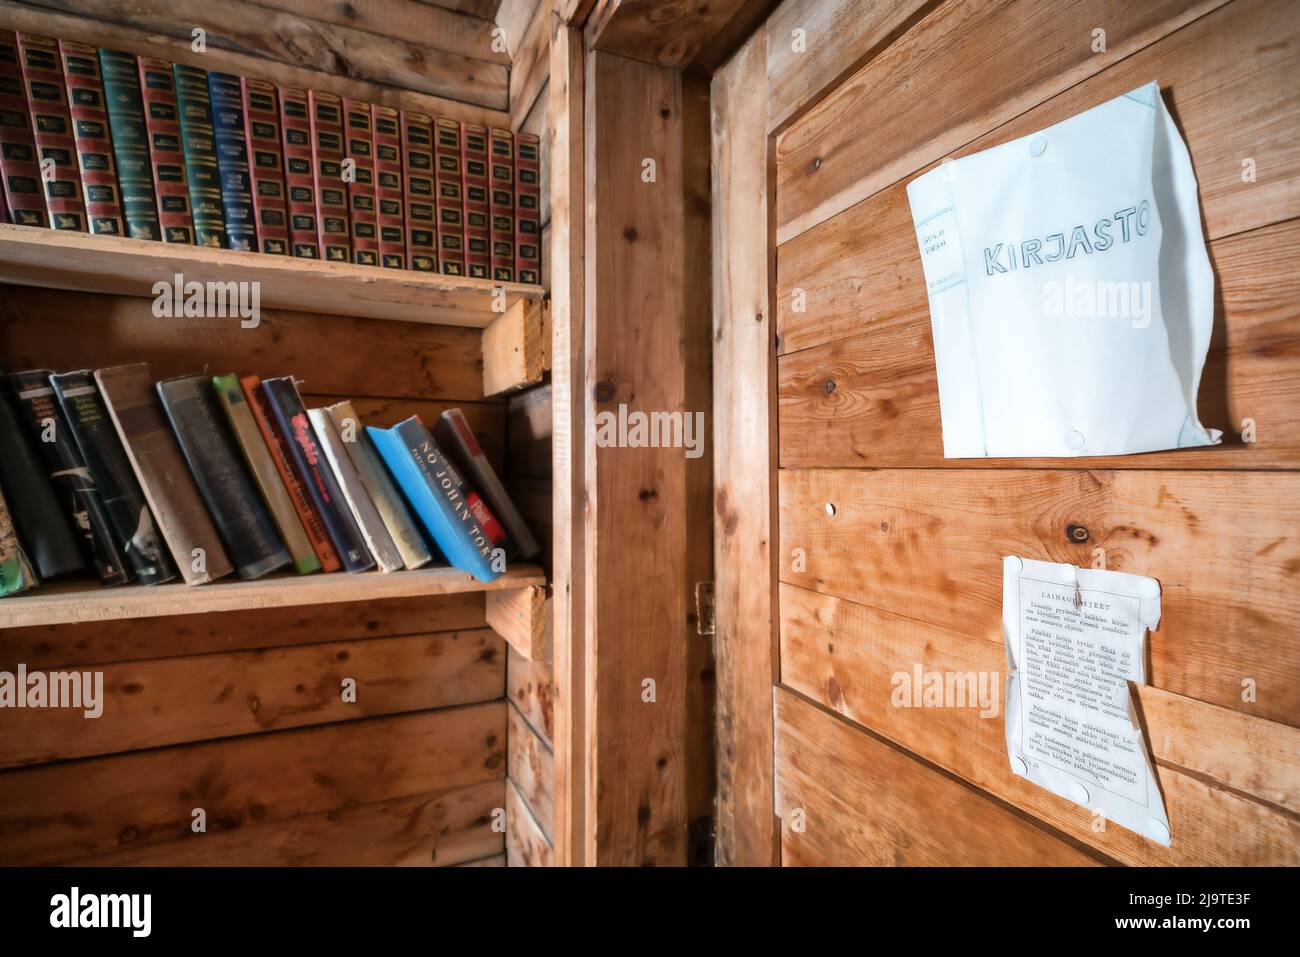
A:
(359, 147)
(417, 180)
(162, 122)
(503, 205)
(18, 167)
(327, 168)
(450, 199)
(295, 128)
(528, 212)
(474, 163)
(47, 103)
(85, 90)
(265, 164)
(389, 202)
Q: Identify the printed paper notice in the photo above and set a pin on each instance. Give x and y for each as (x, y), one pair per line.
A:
(1075, 639)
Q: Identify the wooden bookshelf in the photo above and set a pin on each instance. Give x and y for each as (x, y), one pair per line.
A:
(130, 267)
(63, 603)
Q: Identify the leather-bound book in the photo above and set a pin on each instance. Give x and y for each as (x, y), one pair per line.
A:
(166, 155)
(359, 147)
(390, 202)
(417, 181)
(47, 104)
(474, 166)
(160, 469)
(265, 164)
(327, 171)
(528, 214)
(198, 142)
(21, 174)
(450, 199)
(502, 185)
(126, 124)
(300, 182)
(232, 160)
(85, 91)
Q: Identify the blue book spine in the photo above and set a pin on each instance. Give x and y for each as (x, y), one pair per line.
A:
(232, 160)
(456, 521)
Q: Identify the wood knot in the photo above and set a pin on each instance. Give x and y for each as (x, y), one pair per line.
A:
(646, 494)
(603, 391)
(631, 235)
(816, 163)
(829, 386)
(1077, 534)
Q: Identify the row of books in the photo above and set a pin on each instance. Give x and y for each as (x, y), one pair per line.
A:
(197, 477)
(103, 141)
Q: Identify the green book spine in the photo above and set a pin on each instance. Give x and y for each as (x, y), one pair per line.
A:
(199, 141)
(130, 143)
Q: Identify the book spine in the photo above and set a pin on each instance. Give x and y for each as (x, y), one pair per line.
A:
(198, 141)
(312, 470)
(503, 205)
(528, 213)
(165, 481)
(166, 156)
(69, 475)
(359, 148)
(258, 458)
(450, 197)
(37, 511)
(388, 500)
(85, 90)
(327, 171)
(232, 499)
(124, 504)
(130, 137)
(456, 438)
(390, 203)
(300, 183)
(266, 164)
(16, 573)
(472, 522)
(231, 148)
(417, 179)
(308, 514)
(47, 103)
(474, 167)
(360, 505)
(18, 167)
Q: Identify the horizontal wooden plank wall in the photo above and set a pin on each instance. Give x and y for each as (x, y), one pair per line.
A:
(906, 570)
(241, 713)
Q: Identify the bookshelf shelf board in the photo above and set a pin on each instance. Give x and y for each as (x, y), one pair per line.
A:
(130, 267)
(62, 603)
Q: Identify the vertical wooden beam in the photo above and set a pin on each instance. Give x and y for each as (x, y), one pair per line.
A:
(647, 348)
(568, 444)
(744, 390)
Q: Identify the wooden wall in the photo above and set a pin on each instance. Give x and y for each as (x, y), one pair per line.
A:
(907, 569)
(240, 714)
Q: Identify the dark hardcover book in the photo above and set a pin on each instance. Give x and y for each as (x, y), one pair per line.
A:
(456, 438)
(47, 103)
(85, 90)
(276, 444)
(453, 514)
(359, 147)
(69, 475)
(313, 471)
(23, 196)
(450, 200)
(474, 165)
(390, 203)
(167, 157)
(417, 183)
(245, 526)
(40, 519)
(528, 214)
(130, 138)
(164, 478)
(300, 182)
(119, 492)
(327, 170)
(198, 141)
(232, 160)
(265, 164)
(502, 184)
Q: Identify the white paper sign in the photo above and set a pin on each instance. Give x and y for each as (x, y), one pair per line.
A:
(1071, 294)
(1075, 638)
